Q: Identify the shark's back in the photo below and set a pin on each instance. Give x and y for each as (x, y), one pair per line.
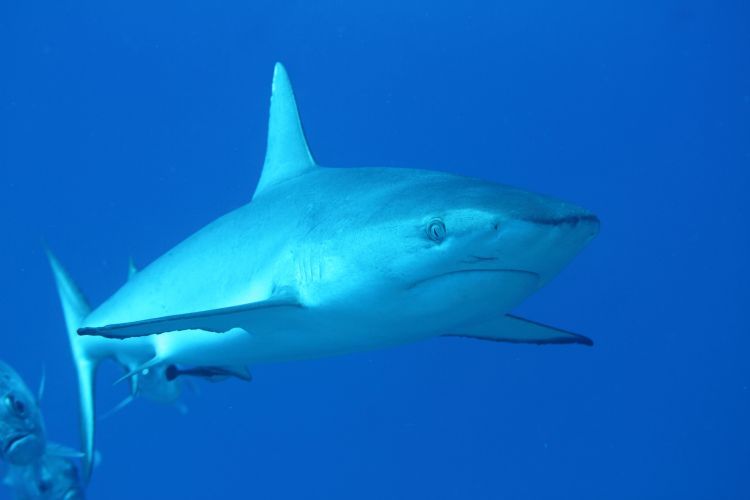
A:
(228, 261)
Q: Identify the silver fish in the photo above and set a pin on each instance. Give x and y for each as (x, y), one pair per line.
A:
(22, 438)
(52, 477)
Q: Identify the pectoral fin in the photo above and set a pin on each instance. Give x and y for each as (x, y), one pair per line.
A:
(122, 404)
(254, 316)
(59, 450)
(511, 328)
(132, 270)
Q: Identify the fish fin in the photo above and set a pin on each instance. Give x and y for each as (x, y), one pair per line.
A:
(181, 407)
(122, 404)
(75, 309)
(287, 154)
(514, 329)
(135, 371)
(132, 270)
(59, 450)
(192, 387)
(42, 383)
(251, 317)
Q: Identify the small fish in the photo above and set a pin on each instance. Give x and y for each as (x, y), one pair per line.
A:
(163, 383)
(154, 384)
(160, 382)
(52, 477)
(22, 438)
(151, 383)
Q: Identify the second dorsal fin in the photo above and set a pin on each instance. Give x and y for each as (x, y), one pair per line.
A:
(132, 269)
(287, 154)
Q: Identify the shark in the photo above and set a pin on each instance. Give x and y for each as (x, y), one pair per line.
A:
(325, 261)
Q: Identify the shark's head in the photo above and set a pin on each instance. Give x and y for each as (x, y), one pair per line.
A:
(451, 246)
(22, 438)
(453, 225)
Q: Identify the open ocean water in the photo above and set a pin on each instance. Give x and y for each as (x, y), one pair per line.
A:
(127, 126)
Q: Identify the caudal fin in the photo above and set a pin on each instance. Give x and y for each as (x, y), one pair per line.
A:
(75, 309)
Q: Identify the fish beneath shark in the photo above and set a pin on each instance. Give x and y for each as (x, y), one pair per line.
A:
(165, 383)
(325, 261)
(36, 469)
(22, 437)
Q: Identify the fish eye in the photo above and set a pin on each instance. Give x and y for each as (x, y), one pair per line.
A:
(18, 406)
(436, 230)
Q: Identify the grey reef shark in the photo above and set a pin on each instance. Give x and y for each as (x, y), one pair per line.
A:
(326, 261)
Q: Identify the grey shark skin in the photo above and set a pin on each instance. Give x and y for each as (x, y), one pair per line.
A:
(22, 438)
(327, 261)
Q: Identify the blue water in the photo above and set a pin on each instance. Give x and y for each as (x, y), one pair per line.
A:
(126, 126)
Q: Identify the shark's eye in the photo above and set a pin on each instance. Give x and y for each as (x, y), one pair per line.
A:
(18, 406)
(436, 230)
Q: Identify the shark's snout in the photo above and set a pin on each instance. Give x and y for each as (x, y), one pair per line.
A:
(573, 223)
(581, 226)
(591, 227)
(541, 236)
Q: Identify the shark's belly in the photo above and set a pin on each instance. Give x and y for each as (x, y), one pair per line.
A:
(241, 347)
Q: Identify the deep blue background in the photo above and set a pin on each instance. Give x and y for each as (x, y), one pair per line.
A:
(126, 126)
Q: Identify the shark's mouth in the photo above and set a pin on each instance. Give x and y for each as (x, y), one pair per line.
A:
(523, 272)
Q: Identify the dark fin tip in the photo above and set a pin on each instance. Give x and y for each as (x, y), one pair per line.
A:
(574, 339)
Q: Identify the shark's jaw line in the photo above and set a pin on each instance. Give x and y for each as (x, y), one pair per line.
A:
(329, 261)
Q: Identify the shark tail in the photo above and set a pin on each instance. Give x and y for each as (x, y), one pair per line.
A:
(75, 308)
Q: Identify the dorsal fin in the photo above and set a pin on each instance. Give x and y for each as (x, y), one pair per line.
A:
(287, 154)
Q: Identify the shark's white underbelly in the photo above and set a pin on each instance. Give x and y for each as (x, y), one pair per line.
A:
(241, 347)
